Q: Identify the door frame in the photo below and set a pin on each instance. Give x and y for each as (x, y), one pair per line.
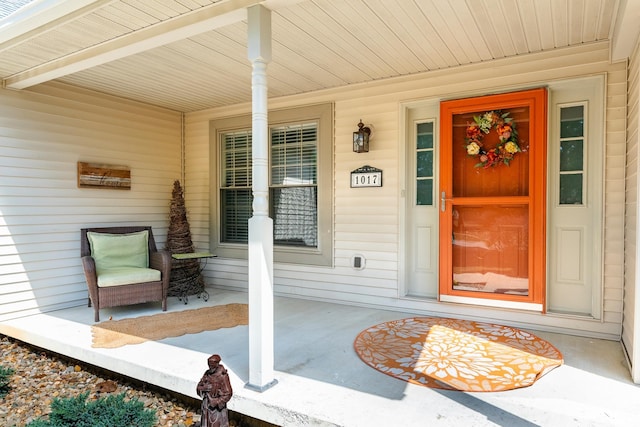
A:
(427, 110)
(536, 100)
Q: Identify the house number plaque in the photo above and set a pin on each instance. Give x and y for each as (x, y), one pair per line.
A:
(366, 176)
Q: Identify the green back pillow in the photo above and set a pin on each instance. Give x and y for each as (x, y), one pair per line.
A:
(119, 250)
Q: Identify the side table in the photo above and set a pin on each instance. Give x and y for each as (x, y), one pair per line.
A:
(191, 284)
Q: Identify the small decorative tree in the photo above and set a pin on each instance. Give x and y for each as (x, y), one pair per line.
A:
(179, 241)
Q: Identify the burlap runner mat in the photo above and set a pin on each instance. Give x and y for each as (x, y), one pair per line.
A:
(116, 333)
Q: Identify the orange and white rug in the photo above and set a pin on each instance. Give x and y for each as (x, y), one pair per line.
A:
(457, 354)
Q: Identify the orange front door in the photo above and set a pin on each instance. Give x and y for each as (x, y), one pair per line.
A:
(492, 197)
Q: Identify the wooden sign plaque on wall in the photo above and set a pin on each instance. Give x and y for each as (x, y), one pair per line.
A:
(93, 175)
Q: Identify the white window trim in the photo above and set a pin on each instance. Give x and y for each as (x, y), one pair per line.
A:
(323, 254)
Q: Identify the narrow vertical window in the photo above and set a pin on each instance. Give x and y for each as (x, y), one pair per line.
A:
(572, 149)
(424, 164)
(235, 191)
(294, 184)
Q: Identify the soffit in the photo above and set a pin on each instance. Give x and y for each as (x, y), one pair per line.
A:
(317, 44)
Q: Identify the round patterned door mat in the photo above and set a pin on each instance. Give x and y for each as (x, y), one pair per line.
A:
(457, 354)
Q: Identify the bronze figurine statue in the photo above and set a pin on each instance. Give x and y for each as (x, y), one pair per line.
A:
(215, 390)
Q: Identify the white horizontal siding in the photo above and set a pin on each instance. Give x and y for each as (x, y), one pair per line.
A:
(630, 322)
(196, 182)
(614, 191)
(368, 216)
(42, 137)
(367, 220)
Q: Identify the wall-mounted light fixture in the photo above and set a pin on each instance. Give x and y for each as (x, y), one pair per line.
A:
(361, 138)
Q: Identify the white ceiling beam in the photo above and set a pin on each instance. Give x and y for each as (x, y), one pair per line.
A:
(171, 30)
(42, 15)
(626, 29)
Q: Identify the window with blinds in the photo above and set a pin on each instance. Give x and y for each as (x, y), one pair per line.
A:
(300, 151)
(293, 190)
(235, 189)
(293, 186)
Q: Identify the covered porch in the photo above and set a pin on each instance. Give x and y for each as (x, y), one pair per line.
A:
(322, 382)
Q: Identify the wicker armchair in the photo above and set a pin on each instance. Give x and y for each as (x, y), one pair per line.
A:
(125, 294)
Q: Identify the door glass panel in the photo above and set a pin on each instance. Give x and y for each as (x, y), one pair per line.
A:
(425, 135)
(571, 155)
(470, 180)
(424, 163)
(490, 242)
(571, 189)
(571, 121)
(424, 193)
(490, 249)
(572, 146)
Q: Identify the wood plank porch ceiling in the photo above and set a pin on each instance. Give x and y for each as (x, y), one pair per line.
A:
(317, 44)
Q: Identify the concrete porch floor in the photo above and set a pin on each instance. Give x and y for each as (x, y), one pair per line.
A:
(322, 382)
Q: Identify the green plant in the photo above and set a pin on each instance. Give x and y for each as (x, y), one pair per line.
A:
(110, 411)
(5, 378)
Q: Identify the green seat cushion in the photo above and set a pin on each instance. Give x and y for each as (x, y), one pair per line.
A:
(119, 250)
(127, 276)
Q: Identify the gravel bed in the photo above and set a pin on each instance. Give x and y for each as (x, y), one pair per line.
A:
(41, 376)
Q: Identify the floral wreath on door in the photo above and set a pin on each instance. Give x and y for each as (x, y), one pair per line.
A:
(507, 147)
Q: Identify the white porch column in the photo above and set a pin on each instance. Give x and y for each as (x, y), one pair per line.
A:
(261, 375)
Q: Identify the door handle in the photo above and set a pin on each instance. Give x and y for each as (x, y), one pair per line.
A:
(443, 201)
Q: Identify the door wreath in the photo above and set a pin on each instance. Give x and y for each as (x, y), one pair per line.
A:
(507, 147)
